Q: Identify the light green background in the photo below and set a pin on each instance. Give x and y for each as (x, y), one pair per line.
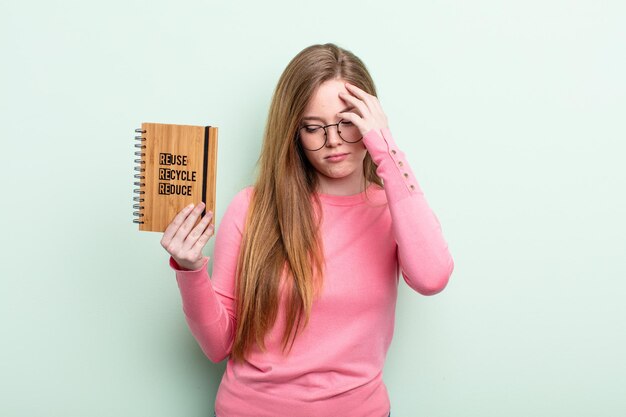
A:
(512, 115)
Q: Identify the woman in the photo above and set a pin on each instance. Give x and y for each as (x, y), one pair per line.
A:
(306, 263)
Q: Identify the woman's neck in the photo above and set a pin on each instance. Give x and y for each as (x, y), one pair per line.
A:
(341, 186)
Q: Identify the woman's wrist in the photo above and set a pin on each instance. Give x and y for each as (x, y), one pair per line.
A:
(184, 266)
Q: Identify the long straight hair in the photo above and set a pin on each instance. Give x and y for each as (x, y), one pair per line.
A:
(281, 235)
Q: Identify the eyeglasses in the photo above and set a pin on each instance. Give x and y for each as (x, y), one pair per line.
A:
(314, 137)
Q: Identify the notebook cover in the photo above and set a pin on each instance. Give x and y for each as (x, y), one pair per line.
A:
(179, 167)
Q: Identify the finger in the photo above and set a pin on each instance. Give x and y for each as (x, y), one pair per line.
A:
(351, 117)
(373, 104)
(360, 123)
(203, 239)
(173, 227)
(188, 224)
(197, 231)
(366, 97)
(360, 105)
(371, 101)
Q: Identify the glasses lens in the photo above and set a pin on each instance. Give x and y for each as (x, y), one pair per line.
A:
(349, 132)
(312, 137)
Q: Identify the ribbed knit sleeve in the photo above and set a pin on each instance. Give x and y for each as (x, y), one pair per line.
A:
(209, 304)
(425, 261)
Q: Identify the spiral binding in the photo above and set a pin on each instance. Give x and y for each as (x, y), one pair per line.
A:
(139, 168)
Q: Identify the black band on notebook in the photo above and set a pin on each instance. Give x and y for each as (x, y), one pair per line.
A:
(205, 166)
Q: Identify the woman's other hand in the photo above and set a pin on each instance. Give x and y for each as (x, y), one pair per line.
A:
(184, 241)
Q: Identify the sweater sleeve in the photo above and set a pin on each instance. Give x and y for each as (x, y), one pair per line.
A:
(210, 305)
(423, 255)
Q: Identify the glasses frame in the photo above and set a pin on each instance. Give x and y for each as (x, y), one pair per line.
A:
(326, 134)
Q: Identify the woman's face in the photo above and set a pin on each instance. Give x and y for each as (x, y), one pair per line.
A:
(339, 164)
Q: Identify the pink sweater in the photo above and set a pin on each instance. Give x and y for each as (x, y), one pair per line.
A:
(336, 363)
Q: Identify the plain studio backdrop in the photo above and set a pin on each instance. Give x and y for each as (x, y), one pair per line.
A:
(512, 115)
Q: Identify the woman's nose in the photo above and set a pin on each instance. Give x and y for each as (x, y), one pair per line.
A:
(333, 138)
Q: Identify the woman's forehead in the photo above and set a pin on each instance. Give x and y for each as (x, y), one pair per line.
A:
(325, 101)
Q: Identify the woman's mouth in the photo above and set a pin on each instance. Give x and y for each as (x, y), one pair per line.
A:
(338, 157)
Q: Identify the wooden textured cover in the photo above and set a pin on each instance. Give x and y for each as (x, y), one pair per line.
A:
(180, 164)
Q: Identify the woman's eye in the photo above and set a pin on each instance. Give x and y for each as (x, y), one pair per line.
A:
(311, 129)
(345, 123)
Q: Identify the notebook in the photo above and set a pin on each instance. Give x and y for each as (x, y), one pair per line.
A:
(176, 166)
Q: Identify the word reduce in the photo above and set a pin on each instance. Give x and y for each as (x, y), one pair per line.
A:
(167, 160)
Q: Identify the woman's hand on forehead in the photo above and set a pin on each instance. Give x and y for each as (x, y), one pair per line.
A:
(369, 114)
